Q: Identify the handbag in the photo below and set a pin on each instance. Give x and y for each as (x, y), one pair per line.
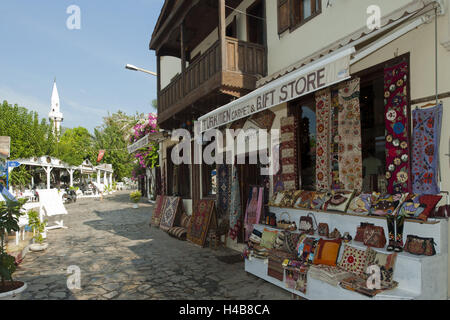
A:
(307, 225)
(323, 229)
(360, 231)
(420, 246)
(374, 237)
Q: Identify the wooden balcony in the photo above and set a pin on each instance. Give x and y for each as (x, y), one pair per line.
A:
(244, 63)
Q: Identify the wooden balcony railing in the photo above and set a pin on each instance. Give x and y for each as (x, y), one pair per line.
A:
(243, 60)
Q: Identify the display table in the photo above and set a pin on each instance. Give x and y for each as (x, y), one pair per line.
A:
(419, 277)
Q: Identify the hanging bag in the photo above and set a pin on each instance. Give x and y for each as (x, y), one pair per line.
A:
(307, 224)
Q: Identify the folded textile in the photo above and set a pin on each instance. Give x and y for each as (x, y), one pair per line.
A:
(328, 274)
(257, 233)
(358, 284)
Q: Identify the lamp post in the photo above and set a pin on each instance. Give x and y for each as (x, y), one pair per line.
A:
(134, 68)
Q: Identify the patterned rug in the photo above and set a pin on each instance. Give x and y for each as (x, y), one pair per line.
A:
(278, 184)
(425, 153)
(172, 209)
(235, 210)
(336, 183)
(223, 190)
(323, 121)
(159, 208)
(263, 119)
(200, 222)
(397, 126)
(350, 155)
(288, 152)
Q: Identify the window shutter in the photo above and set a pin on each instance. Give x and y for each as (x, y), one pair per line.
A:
(283, 15)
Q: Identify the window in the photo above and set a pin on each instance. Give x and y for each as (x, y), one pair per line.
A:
(232, 29)
(255, 23)
(293, 13)
(209, 177)
(178, 178)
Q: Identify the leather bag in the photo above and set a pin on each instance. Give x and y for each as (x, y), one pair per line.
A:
(374, 237)
(324, 230)
(307, 224)
(360, 231)
(420, 246)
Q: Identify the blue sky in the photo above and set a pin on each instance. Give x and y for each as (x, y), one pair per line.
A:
(89, 64)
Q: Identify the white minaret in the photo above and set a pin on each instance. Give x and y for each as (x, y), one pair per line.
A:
(55, 114)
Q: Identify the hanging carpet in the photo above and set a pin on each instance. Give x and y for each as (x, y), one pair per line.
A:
(223, 190)
(323, 113)
(288, 153)
(235, 209)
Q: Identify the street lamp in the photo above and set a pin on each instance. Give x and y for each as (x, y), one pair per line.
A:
(134, 68)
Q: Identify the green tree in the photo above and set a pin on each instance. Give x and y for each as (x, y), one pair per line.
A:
(76, 145)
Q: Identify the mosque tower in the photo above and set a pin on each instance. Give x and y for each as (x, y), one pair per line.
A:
(55, 114)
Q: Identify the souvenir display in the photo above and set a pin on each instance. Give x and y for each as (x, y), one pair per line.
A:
(286, 223)
(420, 246)
(339, 201)
(362, 203)
(419, 206)
(327, 252)
(398, 171)
(350, 156)
(425, 151)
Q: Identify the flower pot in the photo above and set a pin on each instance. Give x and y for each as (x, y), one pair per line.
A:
(15, 293)
(36, 247)
(135, 206)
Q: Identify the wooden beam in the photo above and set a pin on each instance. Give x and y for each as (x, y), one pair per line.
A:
(222, 34)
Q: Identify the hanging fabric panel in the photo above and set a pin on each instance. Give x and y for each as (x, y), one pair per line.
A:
(288, 152)
(235, 209)
(278, 184)
(398, 171)
(425, 150)
(336, 183)
(223, 190)
(323, 121)
(350, 155)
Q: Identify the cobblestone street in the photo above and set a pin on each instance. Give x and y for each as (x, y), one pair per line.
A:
(120, 257)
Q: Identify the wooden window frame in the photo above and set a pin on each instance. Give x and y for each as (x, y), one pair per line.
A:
(292, 24)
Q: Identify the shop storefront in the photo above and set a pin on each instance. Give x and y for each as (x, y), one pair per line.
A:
(362, 152)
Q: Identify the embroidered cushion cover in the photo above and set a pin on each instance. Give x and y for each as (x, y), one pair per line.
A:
(362, 203)
(304, 200)
(387, 204)
(268, 238)
(277, 198)
(419, 207)
(306, 248)
(327, 252)
(386, 262)
(319, 199)
(289, 199)
(339, 201)
(353, 260)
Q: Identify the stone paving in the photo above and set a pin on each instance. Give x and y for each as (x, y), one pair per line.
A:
(120, 257)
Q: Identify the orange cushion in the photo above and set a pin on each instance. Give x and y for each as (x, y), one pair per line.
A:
(328, 252)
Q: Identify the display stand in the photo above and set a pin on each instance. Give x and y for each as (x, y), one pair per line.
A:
(419, 277)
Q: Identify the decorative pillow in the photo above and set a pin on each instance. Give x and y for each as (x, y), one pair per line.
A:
(178, 232)
(362, 203)
(185, 220)
(290, 241)
(386, 262)
(289, 199)
(268, 238)
(327, 252)
(319, 199)
(419, 207)
(277, 198)
(353, 260)
(306, 248)
(279, 240)
(304, 200)
(387, 204)
(339, 201)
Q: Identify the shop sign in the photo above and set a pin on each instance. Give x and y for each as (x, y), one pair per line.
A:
(139, 144)
(5, 147)
(309, 79)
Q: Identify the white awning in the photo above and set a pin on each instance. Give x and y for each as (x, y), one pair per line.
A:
(325, 72)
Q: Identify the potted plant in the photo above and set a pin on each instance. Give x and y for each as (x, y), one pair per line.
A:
(9, 222)
(136, 197)
(38, 230)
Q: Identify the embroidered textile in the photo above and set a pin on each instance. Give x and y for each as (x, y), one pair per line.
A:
(350, 156)
(254, 208)
(200, 222)
(425, 152)
(223, 190)
(235, 209)
(336, 183)
(397, 127)
(323, 119)
(289, 153)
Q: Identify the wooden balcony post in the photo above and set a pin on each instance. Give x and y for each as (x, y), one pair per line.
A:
(222, 34)
(183, 59)
(158, 82)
